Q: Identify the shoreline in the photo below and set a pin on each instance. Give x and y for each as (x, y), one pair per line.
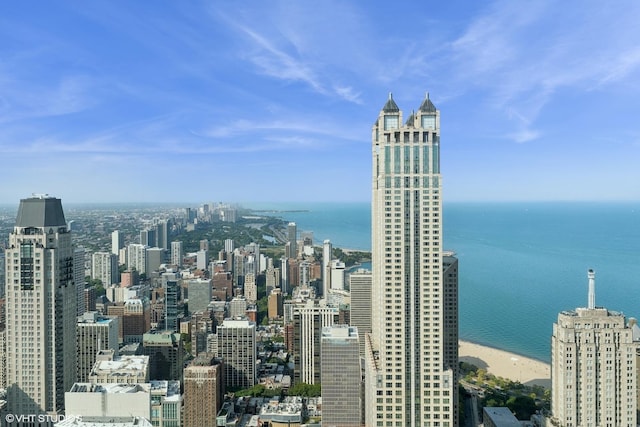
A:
(501, 363)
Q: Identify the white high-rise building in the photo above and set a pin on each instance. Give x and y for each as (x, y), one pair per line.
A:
(405, 358)
(337, 275)
(285, 284)
(176, 253)
(41, 309)
(327, 254)
(104, 267)
(308, 321)
(117, 242)
(137, 257)
(229, 246)
(94, 333)
(593, 366)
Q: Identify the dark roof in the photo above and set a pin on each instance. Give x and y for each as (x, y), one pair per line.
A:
(409, 122)
(390, 106)
(40, 212)
(427, 106)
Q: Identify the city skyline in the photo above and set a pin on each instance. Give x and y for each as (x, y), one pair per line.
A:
(101, 97)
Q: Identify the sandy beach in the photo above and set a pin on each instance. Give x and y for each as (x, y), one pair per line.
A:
(507, 365)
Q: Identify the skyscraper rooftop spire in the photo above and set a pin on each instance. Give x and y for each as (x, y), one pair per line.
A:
(592, 289)
(390, 106)
(427, 106)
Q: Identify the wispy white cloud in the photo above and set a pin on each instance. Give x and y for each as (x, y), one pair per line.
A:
(522, 54)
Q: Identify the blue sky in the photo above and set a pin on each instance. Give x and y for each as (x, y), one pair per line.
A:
(107, 101)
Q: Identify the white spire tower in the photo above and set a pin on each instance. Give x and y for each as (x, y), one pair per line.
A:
(592, 289)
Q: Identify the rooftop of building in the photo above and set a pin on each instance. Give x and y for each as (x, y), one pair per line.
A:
(204, 359)
(110, 388)
(104, 422)
(169, 389)
(121, 364)
(94, 317)
(40, 211)
(160, 338)
(501, 416)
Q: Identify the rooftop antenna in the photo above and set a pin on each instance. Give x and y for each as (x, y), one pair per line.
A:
(592, 289)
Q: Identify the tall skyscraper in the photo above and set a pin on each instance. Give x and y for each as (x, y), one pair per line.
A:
(593, 366)
(327, 254)
(41, 309)
(308, 322)
(137, 257)
(176, 253)
(171, 285)
(162, 234)
(405, 353)
(292, 236)
(237, 347)
(360, 316)
(104, 267)
(341, 377)
(117, 242)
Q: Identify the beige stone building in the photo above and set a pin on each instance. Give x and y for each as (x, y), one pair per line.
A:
(594, 367)
(410, 380)
(41, 308)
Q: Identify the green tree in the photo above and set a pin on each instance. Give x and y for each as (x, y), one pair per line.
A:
(306, 390)
(522, 406)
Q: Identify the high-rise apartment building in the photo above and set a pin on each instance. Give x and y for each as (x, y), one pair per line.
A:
(171, 285)
(148, 237)
(327, 255)
(176, 253)
(308, 321)
(450, 312)
(341, 377)
(237, 347)
(274, 304)
(104, 267)
(203, 391)
(200, 294)
(162, 234)
(166, 354)
(79, 278)
(337, 275)
(41, 308)
(155, 258)
(117, 242)
(593, 367)
(405, 353)
(360, 316)
(94, 333)
(251, 288)
(137, 257)
(272, 278)
(292, 237)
